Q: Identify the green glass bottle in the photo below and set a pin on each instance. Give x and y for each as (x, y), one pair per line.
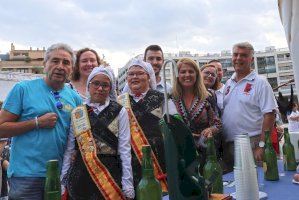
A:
(211, 166)
(288, 152)
(52, 184)
(270, 160)
(148, 188)
(177, 116)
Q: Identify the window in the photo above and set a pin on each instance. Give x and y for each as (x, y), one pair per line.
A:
(286, 78)
(285, 68)
(273, 82)
(226, 63)
(24, 70)
(266, 65)
(280, 56)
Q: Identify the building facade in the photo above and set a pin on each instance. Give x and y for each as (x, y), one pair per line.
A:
(26, 61)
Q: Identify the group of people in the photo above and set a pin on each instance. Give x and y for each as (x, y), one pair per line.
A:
(103, 161)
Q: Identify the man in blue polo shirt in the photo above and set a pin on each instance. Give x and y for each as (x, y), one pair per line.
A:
(36, 114)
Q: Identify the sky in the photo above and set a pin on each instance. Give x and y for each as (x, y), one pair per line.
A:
(122, 29)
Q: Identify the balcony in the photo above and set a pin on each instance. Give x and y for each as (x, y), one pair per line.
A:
(267, 70)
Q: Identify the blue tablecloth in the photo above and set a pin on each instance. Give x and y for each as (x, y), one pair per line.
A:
(283, 189)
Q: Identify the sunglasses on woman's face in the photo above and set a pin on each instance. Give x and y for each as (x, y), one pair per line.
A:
(207, 73)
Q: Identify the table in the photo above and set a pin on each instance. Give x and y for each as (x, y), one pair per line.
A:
(276, 190)
(283, 189)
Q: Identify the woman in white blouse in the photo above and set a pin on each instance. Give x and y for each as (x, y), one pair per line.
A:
(110, 130)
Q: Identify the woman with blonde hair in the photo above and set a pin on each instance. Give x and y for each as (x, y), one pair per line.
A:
(190, 97)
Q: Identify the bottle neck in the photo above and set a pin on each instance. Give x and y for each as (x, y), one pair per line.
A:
(287, 137)
(52, 169)
(211, 152)
(147, 165)
(148, 173)
(268, 139)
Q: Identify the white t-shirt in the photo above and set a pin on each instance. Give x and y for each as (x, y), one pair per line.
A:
(161, 86)
(219, 95)
(245, 103)
(293, 125)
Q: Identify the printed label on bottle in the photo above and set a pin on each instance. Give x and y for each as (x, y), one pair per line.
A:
(264, 166)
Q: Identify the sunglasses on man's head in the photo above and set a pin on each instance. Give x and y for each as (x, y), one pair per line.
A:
(58, 102)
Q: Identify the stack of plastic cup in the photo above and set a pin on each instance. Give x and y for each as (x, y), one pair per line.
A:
(245, 170)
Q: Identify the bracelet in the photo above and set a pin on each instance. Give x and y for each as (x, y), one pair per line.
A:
(36, 123)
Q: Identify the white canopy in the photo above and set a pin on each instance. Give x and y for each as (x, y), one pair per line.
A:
(289, 15)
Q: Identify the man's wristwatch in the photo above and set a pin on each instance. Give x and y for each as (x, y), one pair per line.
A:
(261, 144)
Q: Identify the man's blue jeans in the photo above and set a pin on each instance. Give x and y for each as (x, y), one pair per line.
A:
(27, 188)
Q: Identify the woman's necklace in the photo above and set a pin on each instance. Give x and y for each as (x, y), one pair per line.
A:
(188, 101)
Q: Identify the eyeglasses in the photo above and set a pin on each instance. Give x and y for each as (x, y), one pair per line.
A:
(97, 84)
(91, 60)
(57, 97)
(137, 74)
(209, 74)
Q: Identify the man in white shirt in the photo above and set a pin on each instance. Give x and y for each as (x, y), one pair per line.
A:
(249, 104)
(218, 84)
(153, 54)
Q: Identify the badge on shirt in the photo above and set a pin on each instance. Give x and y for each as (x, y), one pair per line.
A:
(247, 88)
(80, 120)
(227, 90)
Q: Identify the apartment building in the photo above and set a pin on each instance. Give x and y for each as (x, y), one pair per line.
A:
(26, 61)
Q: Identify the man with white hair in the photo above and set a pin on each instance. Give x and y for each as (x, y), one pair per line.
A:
(36, 114)
(249, 104)
(144, 105)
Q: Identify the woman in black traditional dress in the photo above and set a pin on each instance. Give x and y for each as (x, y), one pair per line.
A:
(111, 136)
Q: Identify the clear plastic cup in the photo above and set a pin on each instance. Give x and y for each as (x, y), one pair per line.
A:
(245, 169)
(260, 175)
(281, 169)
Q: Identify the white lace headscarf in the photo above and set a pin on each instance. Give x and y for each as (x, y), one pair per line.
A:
(149, 70)
(107, 71)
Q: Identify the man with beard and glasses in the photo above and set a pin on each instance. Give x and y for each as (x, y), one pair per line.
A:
(153, 54)
(36, 114)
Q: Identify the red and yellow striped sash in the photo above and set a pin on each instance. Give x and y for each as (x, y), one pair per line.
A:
(138, 139)
(98, 172)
